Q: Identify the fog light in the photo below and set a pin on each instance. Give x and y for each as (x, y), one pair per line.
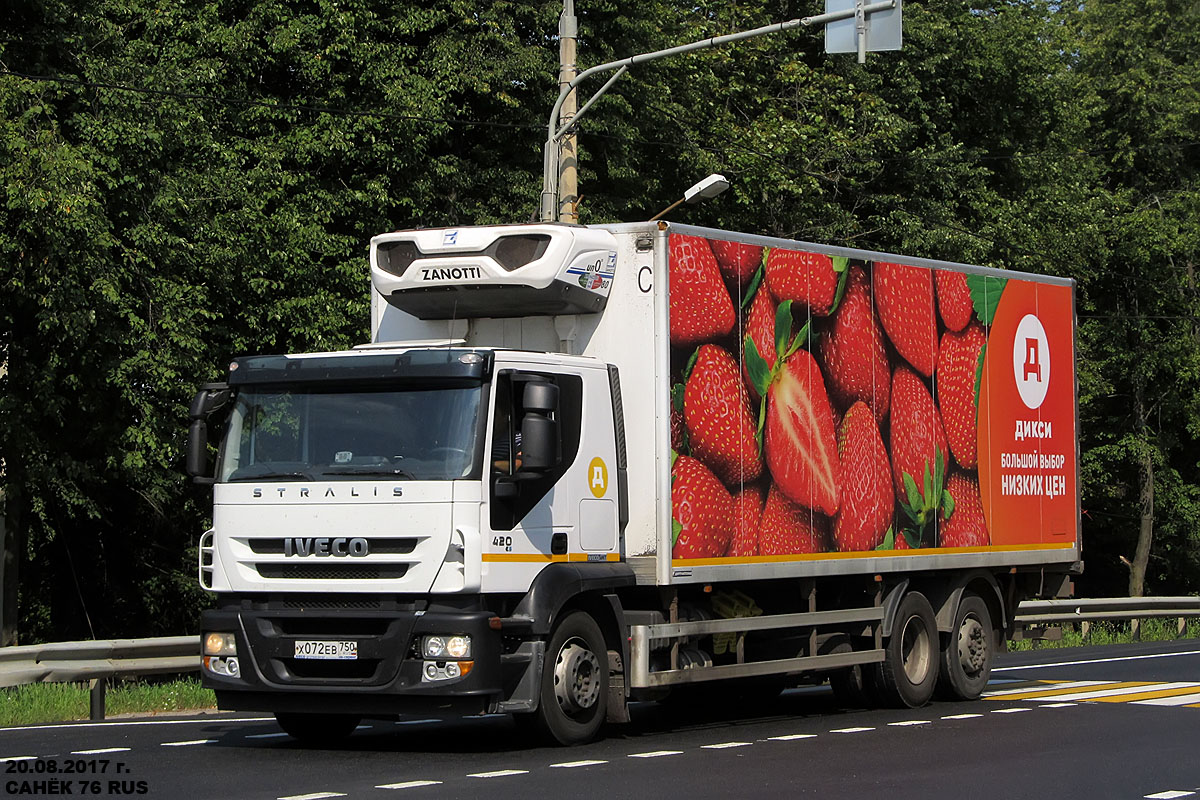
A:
(452, 669)
(431, 671)
(226, 667)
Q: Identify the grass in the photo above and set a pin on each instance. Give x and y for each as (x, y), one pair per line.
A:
(37, 703)
(1112, 632)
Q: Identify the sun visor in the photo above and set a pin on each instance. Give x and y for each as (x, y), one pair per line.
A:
(495, 271)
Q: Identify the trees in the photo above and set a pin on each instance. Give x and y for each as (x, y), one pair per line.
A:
(187, 182)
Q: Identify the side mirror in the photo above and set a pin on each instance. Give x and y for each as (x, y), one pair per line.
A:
(211, 398)
(539, 429)
(539, 442)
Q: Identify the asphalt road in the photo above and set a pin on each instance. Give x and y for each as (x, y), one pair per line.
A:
(1094, 723)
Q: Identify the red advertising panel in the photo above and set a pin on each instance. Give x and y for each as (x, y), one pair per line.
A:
(825, 405)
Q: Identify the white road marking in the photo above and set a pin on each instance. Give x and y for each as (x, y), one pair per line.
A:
(573, 764)
(313, 796)
(408, 785)
(500, 773)
(1177, 700)
(852, 730)
(791, 737)
(725, 745)
(18, 758)
(1057, 705)
(1011, 710)
(1096, 661)
(417, 721)
(909, 722)
(963, 716)
(1168, 795)
(1046, 687)
(266, 735)
(100, 750)
(193, 741)
(656, 754)
(1150, 687)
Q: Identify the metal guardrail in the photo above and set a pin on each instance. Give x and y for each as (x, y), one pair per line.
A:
(98, 661)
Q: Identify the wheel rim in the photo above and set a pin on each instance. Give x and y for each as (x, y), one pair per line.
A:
(915, 650)
(972, 646)
(576, 677)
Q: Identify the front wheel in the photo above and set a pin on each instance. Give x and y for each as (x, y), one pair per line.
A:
(572, 704)
(910, 666)
(970, 648)
(317, 728)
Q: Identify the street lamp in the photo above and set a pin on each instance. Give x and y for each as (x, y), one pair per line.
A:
(557, 129)
(711, 186)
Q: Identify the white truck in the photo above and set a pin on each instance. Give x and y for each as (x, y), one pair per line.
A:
(581, 466)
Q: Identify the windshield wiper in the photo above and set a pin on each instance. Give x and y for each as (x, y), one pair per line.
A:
(403, 473)
(269, 475)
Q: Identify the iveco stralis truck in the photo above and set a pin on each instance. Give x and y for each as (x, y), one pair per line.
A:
(582, 466)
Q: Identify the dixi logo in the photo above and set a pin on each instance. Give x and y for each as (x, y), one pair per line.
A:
(1031, 361)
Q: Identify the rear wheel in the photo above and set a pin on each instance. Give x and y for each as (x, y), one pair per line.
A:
(910, 667)
(317, 728)
(574, 691)
(970, 648)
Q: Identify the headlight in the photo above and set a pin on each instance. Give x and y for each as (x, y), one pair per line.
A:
(220, 644)
(441, 647)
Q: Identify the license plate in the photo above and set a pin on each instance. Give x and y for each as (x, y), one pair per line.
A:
(336, 651)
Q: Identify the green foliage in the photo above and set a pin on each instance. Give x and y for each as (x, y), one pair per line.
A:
(38, 703)
(188, 182)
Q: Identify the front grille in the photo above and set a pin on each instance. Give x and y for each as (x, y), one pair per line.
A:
(386, 547)
(355, 603)
(344, 572)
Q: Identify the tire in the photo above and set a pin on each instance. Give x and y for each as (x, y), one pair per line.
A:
(573, 699)
(910, 667)
(856, 686)
(317, 728)
(968, 652)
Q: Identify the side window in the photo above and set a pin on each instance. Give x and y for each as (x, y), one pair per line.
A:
(515, 492)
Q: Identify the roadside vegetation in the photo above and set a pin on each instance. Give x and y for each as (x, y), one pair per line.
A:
(38, 703)
(1112, 632)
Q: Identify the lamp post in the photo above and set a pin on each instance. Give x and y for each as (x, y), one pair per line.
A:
(556, 129)
(711, 186)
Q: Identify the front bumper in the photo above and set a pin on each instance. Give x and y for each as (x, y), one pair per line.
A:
(386, 678)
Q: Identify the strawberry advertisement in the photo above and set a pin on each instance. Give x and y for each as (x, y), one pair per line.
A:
(825, 405)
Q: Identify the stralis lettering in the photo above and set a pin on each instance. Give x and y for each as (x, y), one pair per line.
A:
(339, 547)
(450, 273)
(350, 491)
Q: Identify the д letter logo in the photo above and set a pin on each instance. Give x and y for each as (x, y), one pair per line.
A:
(598, 477)
(1031, 361)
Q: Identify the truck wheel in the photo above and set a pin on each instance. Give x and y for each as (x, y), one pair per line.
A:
(967, 657)
(574, 692)
(910, 665)
(317, 728)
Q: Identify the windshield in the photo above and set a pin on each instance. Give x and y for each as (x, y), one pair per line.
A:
(302, 433)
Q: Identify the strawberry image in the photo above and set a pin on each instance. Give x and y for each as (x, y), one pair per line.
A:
(760, 328)
(701, 511)
(904, 299)
(867, 499)
(919, 457)
(747, 517)
(808, 278)
(796, 418)
(801, 449)
(721, 428)
(954, 298)
(958, 366)
(700, 308)
(738, 261)
(853, 350)
(788, 528)
(964, 525)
